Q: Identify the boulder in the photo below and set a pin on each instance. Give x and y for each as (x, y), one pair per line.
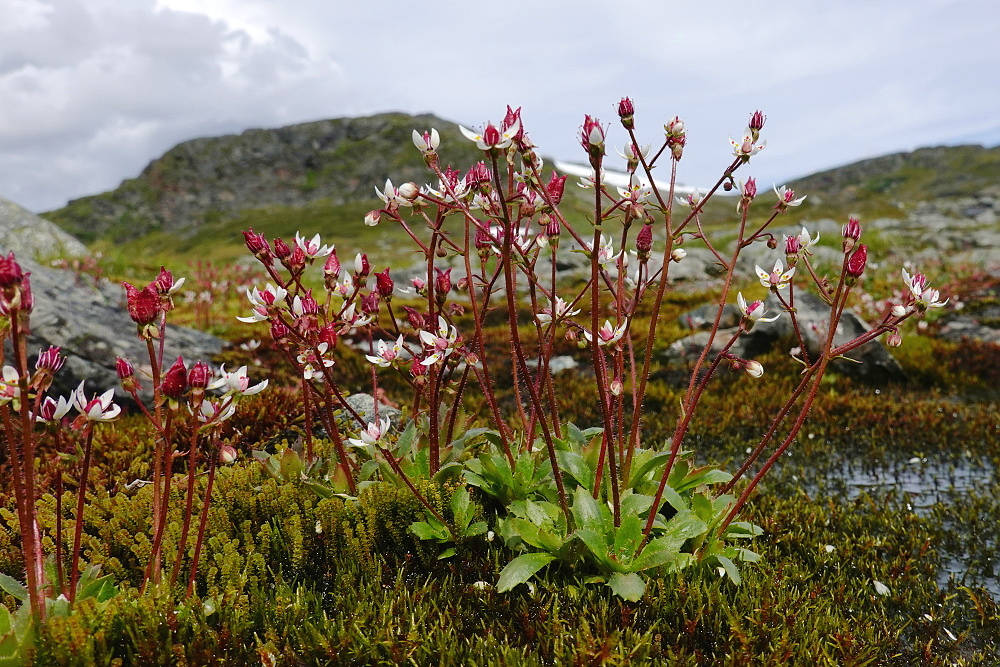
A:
(92, 328)
(32, 237)
(871, 362)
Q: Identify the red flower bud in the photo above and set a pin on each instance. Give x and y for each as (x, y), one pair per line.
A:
(279, 331)
(626, 111)
(442, 282)
(556, 186)
(512, 116)
(296, 260)
(10, 271)
(328, 334)
(257, 244)
(199, 375)
(856, 262)
(369, 303)
(757, 120)
(592, 137)
(384, 284)
(644, 241)
(124, 368)
(415, 318)
(50, 360)
(143, 305)
(164, 282)
(478, 176)
(126, 373)
(852, 230)
(174, 381)
(281, 249)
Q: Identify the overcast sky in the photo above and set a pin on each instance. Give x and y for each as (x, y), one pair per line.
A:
(92, 90)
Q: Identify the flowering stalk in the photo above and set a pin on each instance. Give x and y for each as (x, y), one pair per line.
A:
(16, 302)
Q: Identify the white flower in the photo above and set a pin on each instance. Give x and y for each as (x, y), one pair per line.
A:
(427, 142)
(557, 311)
(786, 197)
(392, 195)
(637, 191)
(777, 278)
(804, 240)
(746, 148)
(386, 354)
(608, 334)
(313, 361)
(10, 389)
(262, 301)
(215, 412)
(492, 137)
(52, 410)
(923, 296)
(371, 434)
(440, 343)
(98, 409)
(691, 200)
(606, 254)
(629, 154)
(754, 311)
(236, 382)
(312, 248)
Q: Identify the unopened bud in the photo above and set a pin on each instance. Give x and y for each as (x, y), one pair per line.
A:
(281, 249)
(361, 265)
(198, 376)
(851, 232)
(555, 187)
(754, 368)
(174, 381)
(644, 242)
(384, 284)
(626, 111)
(894, 339)
(227, 454)
(856, 262)
(409, 191)
(678, 254)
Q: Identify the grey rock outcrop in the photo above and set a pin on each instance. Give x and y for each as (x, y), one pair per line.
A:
(31, 236)
(870, 362)
(92, 328)
(337, 160)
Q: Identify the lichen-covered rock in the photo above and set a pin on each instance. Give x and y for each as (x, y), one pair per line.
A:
(93, 328)
(871, 362)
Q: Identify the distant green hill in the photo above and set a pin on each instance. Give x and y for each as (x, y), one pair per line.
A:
(329, 163)
(892, 185)
(319, 177)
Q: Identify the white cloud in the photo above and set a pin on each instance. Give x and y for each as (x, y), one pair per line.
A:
(94, 89)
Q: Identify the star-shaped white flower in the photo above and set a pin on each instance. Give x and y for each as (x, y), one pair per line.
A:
(778, 278)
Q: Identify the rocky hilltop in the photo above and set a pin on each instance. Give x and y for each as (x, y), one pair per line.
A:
(336, 160)
(901, 180)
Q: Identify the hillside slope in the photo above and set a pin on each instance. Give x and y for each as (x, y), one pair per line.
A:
(200, 181)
